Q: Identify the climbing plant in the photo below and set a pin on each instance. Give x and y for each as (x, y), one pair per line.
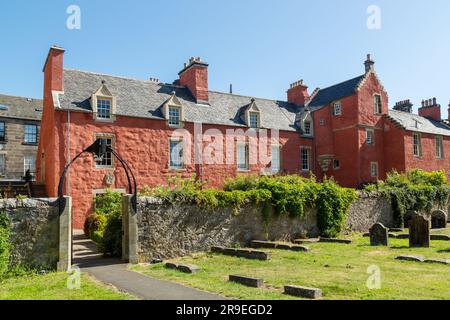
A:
(5, 247)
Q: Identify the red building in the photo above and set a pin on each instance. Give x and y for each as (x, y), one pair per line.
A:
(183, 128)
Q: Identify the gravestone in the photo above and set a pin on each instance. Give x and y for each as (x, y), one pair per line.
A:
(407, 218)
(438, 219)
(379, 235)
(419, 232)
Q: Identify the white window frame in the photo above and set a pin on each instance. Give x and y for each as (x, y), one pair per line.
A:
(309, 155)
(370, 137)
(275, 149)
(417, 147)
(337, 108)
(3, 168)
(108, 155)
(439, 147)
(251, 123)
(173, 165)
(247, 156)
(26, 165)
(100, 106)
(34, 134)
(309, 132)
(374, 170)
(377, 108)
(172, 118)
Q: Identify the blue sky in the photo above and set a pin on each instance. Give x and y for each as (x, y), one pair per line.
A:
(259, 46)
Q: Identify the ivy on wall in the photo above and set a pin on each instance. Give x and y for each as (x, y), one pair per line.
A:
(416, 190)
(5, 247)
(292, 195)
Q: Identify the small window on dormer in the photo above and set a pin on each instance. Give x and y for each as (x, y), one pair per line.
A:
(308, 130)
(337, 108)
(103, 108)
(254, 120)
(174, 116)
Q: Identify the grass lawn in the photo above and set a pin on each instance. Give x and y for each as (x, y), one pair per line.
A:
(339, 270)
(53, 286)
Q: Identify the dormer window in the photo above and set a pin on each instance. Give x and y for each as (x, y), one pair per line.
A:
(251, 115)
(174, 116)
(103, 104)
(337, 109)
(308, 130)
(254, 120)
(103, 108)
(173, 111)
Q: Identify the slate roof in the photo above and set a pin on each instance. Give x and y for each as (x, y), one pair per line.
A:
(336, 92)
(20, 108)
(141, 98)
(408, 121)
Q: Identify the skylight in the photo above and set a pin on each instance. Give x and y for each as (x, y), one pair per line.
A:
(3, 107)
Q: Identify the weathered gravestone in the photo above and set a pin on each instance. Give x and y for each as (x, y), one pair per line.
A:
(419, 231)
(407, 218)
(379, 235)
(438, 219)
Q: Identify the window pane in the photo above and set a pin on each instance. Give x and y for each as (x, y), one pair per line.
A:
(106, 161)
(2, 164)
(30, 133)
(242, 157)
(2, 131)
(276, 163)
(307, 127)
(374, 170)
(104, 108)
(176, 154)
(29, 163)
(254, 120)
(174, 116)
(306, 159)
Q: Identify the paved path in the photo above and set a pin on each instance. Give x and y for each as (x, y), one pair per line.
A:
(116, 273)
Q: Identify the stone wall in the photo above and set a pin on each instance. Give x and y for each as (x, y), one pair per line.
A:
(166, 231)
(35, 231)
(370, 208)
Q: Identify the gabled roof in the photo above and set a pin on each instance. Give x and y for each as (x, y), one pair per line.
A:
(336, 92)
(20, 108)
(140, 98)
(409, 121)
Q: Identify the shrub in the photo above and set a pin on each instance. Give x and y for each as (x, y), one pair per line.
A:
(105, 226)
(416, 190)
(5, 248)
(95, 223)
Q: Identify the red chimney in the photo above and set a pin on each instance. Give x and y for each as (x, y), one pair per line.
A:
(430, 109)
(298, 93)
(195, 77)
(53, 71)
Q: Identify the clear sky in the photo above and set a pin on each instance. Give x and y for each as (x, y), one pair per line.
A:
(260, 46)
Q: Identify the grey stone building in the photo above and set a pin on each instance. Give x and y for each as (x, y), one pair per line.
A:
(20, 120)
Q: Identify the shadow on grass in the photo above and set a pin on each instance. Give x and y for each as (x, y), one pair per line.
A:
(444, 251)
(400, 247)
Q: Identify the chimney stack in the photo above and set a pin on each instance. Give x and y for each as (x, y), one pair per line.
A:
(53, 72)
(369, 64)
(430, 109)
(298, 93)
(404, 106)
(448, 113)
(195, 77)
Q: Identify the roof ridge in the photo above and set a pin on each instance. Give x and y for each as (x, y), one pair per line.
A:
(246, 96)
(338, 84)
(20, 97)
(109, 75)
